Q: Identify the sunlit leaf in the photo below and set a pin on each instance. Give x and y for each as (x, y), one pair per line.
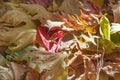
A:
(115, 27)
(52, 24)
(105, 28)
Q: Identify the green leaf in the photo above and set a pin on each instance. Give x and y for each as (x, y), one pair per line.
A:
(105, 28)
(107, 45)
(16, 55)
(115, 38)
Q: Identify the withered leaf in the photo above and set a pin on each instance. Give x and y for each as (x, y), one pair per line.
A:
(51, 66)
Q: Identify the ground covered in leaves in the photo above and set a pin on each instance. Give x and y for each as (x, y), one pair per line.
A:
(59, 40)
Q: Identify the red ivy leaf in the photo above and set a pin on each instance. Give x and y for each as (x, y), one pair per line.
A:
(49, 39)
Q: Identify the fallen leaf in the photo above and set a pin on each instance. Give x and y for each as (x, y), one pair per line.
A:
(116, 12)
(49, 39)
(50, 66)
(70, 7)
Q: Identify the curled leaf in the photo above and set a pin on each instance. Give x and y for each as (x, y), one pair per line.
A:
(49, 39)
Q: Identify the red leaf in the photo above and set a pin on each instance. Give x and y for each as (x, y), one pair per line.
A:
(49, 39)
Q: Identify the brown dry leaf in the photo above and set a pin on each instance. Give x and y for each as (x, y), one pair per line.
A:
(50, 65)
(17, 1)
(23, 39)
(116, 12)
(17, 27)
(3, 9)
(112, 64)
(76, 67)
(84, 68)
(2, 49)
(19, 71)
(6, 73)
(38, 12)
(22, 72)
(18, 37)
(90, 70)
(17, 18)
(111, 69)
(32, 74)
(70, 7)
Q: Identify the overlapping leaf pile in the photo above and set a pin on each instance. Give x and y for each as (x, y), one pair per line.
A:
(59, 40)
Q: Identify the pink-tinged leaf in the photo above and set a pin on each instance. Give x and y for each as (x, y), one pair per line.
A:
(49, 39)
(45, 3)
